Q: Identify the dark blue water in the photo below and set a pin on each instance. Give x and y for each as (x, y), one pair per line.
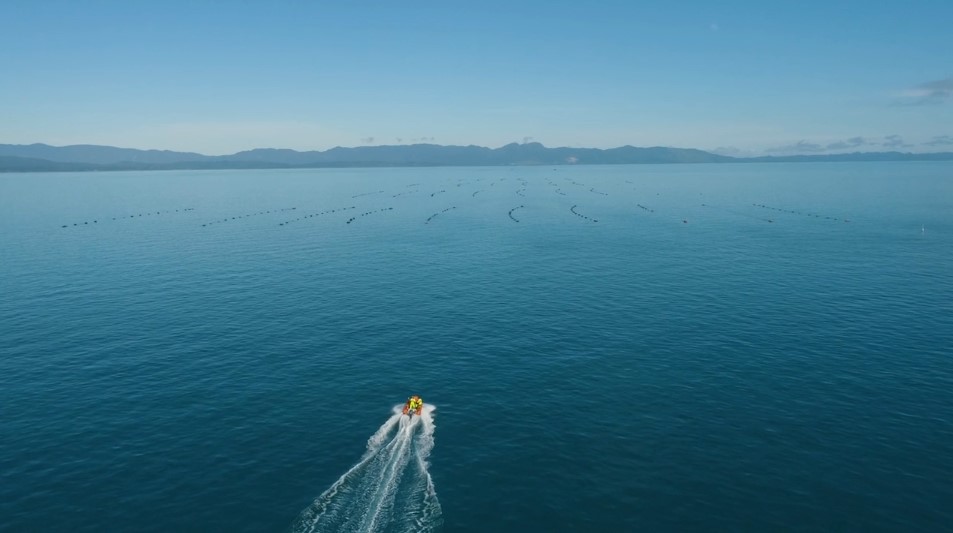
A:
(654, 348)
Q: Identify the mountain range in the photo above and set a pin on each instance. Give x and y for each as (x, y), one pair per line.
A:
(43, 157)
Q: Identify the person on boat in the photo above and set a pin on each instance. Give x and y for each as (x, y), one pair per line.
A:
(414, 403)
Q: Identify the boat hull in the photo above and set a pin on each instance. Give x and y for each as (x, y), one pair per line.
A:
(411, 412)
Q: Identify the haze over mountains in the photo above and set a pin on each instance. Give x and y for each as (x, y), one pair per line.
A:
(42, 157)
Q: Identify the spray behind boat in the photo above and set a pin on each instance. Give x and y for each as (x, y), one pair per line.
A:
(388, 489)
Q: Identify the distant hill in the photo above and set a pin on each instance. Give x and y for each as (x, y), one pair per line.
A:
(856, 156)
(32, 164)
(42, 157)
(511, 154)
(89, 153)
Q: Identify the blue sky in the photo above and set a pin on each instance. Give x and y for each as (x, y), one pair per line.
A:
(736, 77)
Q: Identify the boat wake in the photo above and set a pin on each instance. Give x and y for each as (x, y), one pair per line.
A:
(389, 489)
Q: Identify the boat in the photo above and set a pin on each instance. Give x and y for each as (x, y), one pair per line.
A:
(414, 406)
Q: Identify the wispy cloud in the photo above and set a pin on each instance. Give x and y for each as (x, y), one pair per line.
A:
(727, 150)
(940, 140)
(894, 141)
(227, 137)
(734, 151)
(929, 93)
(852, 143)
(799, 147)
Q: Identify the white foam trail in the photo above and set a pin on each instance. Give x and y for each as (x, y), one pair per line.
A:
(389, 489)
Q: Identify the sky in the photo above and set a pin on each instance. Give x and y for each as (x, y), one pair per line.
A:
(733, 77)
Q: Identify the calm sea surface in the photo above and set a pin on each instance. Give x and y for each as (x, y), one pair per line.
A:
(757, 347)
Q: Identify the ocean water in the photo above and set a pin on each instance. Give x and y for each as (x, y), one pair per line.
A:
(755, 347)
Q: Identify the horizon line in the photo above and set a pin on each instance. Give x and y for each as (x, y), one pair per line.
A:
(516, 143)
